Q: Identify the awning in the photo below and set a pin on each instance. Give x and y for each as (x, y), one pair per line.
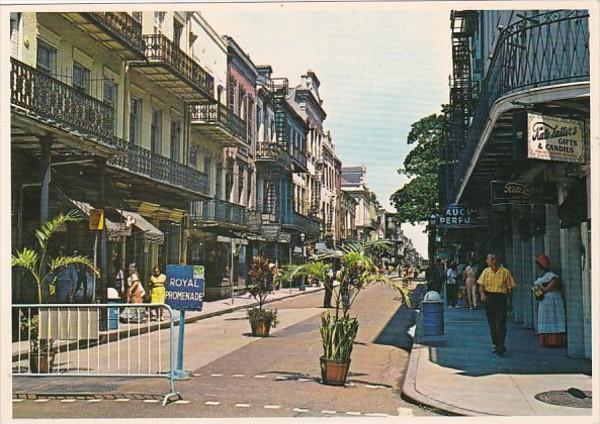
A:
(115, 232)
(151, 233)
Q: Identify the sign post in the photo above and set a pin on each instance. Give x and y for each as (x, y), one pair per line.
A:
(95, 224)
(184, 292)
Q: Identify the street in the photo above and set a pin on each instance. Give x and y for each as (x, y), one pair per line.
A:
(235, 375)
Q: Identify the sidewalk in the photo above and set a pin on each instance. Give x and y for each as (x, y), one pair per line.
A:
(209, 309)
(458, 373)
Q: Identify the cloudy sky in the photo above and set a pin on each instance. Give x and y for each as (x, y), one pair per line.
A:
(382, 67)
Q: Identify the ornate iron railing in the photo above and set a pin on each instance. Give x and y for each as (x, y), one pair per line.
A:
(160, 48)
(308, 225)
(217, 114)
(58, 104)
(122, 25)
(219, 211)
(144, 162)
(547, 49)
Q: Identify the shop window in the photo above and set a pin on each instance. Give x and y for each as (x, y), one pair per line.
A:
(81, 77)
(135, 121)
(46, 58)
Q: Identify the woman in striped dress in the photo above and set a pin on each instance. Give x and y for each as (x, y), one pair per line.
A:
(551, 309)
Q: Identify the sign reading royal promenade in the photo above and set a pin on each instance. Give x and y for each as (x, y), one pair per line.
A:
(185, 287)
(555, 139)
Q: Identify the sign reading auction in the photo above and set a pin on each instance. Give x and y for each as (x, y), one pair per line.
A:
(185, 287)
(456, 216)
(512, 193)
(555, 139)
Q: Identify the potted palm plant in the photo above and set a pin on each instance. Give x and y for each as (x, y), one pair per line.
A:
(260, 286)
(43, 269)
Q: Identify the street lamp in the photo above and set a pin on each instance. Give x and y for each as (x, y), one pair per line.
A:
(433, 219)
(302, 240)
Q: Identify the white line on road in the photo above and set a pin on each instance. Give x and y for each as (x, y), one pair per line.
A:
(197, 375)
(211, 403)
(238, 375)
(260, 376)
(151, 401)
(304, 379)
(122, 400)
(371, 386)
(373, 414)
(242, 405)
(216, 375)
(300, 410)
(68, 400)
(41, 400)
(352, 413)
(281, 378)
(328, 412)
(94, 400)
(182, 402)
(272, 406)
(18, 400)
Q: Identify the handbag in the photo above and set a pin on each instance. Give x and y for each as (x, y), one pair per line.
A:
(538, 292)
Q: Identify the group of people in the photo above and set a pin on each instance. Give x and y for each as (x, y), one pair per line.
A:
(493, 287)
(132, 290)
(74, 283)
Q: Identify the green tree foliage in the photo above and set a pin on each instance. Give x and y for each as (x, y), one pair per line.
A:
(417, 199)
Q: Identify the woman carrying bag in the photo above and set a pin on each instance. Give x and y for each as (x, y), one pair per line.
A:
(551, 308)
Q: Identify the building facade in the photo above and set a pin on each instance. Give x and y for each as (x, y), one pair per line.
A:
(353, 182)
(513, 82)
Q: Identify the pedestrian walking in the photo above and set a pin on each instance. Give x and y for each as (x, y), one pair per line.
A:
(471, 285)
(120, 279)
(495, 284)
(157, 292)
(66, 281)
(135, 294)
(551, 308)
(451, 285)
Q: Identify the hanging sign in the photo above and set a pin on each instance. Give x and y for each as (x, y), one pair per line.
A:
(512, 193)
(456, 216)
(96, 220)
(185, 287)
(555, 139)
(254, 222)
(271, 231)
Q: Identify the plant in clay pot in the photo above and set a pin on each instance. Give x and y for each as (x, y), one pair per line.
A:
(260, 286)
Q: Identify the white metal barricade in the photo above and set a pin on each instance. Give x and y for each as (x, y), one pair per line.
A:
(96, 340)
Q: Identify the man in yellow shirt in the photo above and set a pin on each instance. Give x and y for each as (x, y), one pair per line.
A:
(495, 284)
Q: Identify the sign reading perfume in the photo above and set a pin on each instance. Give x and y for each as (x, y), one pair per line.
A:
(555, 139)
(456, 216)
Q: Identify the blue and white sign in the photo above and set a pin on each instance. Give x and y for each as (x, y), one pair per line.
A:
(185, 287)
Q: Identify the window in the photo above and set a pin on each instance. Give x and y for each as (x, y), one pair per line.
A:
(159, 18)
(137, 16)
(156, 131)
(175, 140)
(135, 121)
(241, 184)
(177, 31)
(81, 77)
(15, 19)
(110, 98)
(46, 58)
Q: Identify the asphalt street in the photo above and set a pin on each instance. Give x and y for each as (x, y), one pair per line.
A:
(236, 375)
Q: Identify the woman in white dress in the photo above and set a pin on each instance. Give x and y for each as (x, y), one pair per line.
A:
(551, 308)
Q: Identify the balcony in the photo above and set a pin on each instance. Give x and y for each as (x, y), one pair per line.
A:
(159, 168)
(218, 211)
(118, 31)
(52, 103)
(302, 223)
(169, 67)
(218, 123)
(541, 51)
(273, 153)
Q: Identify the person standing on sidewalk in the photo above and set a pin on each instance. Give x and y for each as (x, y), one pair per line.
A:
(551, 310)
(495, 284)
(471, 285)
(451, 285)
(157, 292)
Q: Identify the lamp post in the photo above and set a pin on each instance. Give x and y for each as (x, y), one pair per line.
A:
(303, 241)
(433, 219)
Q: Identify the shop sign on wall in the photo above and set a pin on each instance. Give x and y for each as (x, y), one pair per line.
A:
(457, 216)
(555, 139)
(513, 193)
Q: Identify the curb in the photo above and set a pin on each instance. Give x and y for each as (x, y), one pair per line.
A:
(126, 333)
(412, 393)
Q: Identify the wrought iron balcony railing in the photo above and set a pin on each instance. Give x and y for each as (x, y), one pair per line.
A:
(544, 50)
(306, 224)
(215, 210)
(160, 168)
(58, 104)
(221, 118)
(159, 48)
(122, 25)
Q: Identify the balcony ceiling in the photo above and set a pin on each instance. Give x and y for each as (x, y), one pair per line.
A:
(217, 133)
(496, 161)
(112, 40)
(172, 82)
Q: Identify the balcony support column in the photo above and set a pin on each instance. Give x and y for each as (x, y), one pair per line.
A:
(45, 172)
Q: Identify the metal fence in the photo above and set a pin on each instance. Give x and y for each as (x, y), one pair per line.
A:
(96, 340)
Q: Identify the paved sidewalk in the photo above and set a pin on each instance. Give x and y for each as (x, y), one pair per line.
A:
(459, 374)
(209, 309)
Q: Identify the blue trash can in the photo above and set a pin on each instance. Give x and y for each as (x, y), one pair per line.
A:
(109, 317)
(432, 309)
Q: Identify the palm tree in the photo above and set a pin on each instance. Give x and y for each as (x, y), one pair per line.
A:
(36, 262)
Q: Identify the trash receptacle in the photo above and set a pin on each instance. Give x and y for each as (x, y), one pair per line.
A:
(432, 308)
(110, 316)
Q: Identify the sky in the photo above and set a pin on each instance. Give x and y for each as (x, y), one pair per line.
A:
(382, 67)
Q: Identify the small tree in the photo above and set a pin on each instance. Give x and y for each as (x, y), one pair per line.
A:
(261, 285)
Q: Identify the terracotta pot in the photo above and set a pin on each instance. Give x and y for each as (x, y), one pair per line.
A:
(334, 373)
(260, 328)
(41, 364)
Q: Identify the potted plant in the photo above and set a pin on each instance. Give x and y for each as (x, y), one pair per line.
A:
(261, 285)
(43, 270)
